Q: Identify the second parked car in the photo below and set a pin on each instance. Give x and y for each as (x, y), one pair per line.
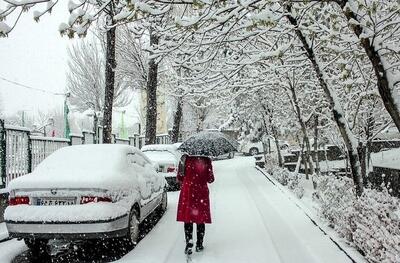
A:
(256, 147)
(166, 158)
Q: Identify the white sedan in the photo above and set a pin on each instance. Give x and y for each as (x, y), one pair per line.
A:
(166, 157)
(85, 192)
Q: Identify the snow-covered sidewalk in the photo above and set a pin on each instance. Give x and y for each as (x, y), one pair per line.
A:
(253, 222)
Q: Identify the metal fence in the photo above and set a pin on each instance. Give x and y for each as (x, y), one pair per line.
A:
(41, 147)
(16, 153)
(21, 152)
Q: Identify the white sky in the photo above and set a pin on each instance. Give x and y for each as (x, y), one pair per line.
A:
(34, 54)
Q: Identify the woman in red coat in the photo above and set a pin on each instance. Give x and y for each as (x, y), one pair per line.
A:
(194, 204)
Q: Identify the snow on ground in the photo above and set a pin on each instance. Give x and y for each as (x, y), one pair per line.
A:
(10, 249)
(253, 221)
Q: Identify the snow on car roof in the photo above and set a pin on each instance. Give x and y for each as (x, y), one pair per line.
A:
(161, 157)
(159, 147)
(387, 159)
(97, 165)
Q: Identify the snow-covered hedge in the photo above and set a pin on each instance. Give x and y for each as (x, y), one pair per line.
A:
(286, 178)
(371, 223)
(336, 199)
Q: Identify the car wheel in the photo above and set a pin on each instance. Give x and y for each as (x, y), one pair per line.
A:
(133, 228)
(253, 151)
(231, 155)
(37, 245)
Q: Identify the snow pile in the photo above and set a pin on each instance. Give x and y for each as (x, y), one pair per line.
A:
(371, 222)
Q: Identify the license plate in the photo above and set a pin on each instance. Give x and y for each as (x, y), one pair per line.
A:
(55, 201)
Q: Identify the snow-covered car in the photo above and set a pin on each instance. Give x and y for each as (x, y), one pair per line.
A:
(252, 148)
(166, 158)
(85, 192)
(256, 147)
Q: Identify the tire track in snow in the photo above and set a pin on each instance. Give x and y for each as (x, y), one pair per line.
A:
(273, 221)
(288, 247)
(238, 231)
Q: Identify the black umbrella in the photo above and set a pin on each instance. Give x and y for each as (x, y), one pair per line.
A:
(209, 143)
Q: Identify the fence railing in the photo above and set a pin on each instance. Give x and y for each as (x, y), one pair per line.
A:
(21, 152)
(41, 147)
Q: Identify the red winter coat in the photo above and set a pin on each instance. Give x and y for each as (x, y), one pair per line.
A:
(194, 201)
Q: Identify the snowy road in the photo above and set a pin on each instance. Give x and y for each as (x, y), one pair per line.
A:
(253, 222)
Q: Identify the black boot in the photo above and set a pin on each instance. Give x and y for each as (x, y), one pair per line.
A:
(188, 238)
(189, 247)
(201, 228)
(199, 247)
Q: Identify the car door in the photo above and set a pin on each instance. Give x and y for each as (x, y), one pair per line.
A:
(153, 184)
(138, 164)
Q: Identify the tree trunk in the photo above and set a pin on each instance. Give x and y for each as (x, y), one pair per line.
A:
(316, 155)
(278, 150)
(362, 153)
(177, 122)
(269, 113)
(305, 162)
(303, 127)
(109, 88)
(385, 91)
(335, 106)
(201, 116)
(368, 133)
(151, 89)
